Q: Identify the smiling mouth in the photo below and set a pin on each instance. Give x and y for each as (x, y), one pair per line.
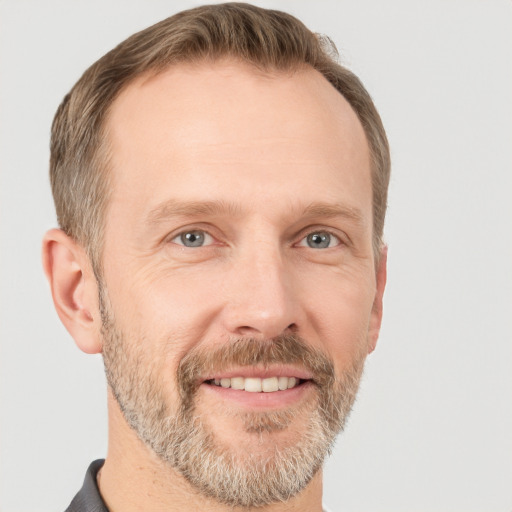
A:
(257, 385)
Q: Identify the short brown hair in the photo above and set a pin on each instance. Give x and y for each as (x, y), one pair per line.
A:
(267, 39)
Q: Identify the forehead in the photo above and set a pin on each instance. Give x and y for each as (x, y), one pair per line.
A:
(225, 128)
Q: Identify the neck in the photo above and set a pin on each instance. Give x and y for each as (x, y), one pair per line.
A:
(133, 478)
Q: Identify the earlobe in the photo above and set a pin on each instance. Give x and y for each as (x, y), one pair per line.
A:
(74, 289)
(376, 315)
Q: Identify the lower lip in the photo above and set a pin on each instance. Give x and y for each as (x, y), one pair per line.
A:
(262, 401)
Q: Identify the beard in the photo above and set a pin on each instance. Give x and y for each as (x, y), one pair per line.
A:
(183, 439)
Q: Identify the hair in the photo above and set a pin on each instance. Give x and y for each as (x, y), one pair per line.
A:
(268, 39)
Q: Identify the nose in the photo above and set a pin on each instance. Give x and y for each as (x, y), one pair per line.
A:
(260, 297)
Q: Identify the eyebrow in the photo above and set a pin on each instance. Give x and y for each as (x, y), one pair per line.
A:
(175, 208)
(329, 210)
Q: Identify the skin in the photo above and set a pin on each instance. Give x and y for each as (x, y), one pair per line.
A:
(264, 148)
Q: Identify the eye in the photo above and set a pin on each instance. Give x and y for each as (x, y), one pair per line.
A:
(320, 240)
(193, 238)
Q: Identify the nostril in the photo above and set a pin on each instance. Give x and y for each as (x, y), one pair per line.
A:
(292, 328)
(247, 330)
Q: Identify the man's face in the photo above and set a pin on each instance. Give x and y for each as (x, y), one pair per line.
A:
(238, 254)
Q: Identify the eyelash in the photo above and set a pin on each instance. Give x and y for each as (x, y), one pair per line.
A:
(189, 232)
(303, 240)
(301, 243)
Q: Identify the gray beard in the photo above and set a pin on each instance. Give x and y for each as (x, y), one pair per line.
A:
(185, 441)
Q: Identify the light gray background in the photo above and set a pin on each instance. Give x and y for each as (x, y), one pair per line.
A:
(432, 428)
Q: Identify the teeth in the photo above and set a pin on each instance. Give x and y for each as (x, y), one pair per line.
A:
(292, 381)
(283, 383)
(238, 383)
(253, 385)
(269, 385)
(257, 385)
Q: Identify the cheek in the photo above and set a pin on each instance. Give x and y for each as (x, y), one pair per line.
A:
(162, 319)
(169, 308)
(340, 313)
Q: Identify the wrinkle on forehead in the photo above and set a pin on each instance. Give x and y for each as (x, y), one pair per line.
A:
(174, 208)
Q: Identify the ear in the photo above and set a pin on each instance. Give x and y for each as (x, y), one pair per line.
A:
(376, 314)
(74, 289)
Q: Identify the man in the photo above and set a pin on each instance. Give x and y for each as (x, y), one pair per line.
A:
(220, 184)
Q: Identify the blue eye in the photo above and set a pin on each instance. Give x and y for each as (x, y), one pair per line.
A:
(320, 240)
(193, 238)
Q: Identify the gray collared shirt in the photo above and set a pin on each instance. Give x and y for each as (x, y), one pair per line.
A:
(89, 498)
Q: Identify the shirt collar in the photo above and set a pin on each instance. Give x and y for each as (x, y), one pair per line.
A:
(89, 498)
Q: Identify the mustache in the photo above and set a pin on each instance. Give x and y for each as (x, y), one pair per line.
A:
(283, 349)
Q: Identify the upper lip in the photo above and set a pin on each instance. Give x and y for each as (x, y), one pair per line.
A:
(260, 372)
